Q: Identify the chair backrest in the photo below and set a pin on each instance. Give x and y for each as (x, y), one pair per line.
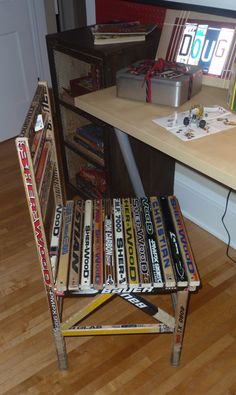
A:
(39, 167)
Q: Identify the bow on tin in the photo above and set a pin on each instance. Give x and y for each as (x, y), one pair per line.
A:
(156, 68)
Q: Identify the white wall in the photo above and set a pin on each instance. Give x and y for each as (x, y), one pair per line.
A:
(40, 29)
(203, 202)
(90, 11)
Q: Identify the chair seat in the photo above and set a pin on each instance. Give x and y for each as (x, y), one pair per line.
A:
(136, 245)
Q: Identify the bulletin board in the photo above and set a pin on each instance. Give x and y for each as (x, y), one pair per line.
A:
(118, 10)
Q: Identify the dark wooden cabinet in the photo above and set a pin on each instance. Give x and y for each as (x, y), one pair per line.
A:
(77, 67)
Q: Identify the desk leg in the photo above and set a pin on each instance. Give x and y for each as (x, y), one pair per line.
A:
(130, 163)
(180, 317)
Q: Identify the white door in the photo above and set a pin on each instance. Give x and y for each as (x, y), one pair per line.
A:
(18, 64)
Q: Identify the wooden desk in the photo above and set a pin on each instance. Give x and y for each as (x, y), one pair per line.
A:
(214, 155)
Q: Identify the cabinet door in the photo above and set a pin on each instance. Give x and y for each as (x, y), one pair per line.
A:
(77, 68)
(76, 76)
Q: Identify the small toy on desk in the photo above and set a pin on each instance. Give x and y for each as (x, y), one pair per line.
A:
(199, 121)
(195, 116)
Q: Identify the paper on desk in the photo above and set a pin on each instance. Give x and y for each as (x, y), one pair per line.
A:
(217, 119)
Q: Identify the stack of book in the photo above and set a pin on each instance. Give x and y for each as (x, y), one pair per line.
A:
(115, 33)
(90, 142)
(91, 181)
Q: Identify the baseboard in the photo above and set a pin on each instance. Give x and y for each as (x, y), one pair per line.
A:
(203, 202)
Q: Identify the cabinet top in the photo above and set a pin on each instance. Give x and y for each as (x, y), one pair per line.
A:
(82, 40)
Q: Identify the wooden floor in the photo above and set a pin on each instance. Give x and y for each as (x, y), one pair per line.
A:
(108, 365)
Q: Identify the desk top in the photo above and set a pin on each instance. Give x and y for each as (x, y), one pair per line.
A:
(213, 155)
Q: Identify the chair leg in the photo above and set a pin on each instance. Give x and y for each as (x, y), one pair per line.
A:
(61, 349)
(180, 317)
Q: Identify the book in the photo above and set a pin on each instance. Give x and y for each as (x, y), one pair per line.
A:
(122, 28)
(124, 32)
(95, 177)
(233, 104)
(91, 133)
(88, 146)
(233, 99)
(232, 88)
(118, 39)
(86, 188)
(91, 155)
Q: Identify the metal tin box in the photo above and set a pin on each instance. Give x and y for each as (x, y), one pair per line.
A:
(171, 87)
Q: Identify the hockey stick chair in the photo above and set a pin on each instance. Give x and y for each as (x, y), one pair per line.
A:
(103, 249)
